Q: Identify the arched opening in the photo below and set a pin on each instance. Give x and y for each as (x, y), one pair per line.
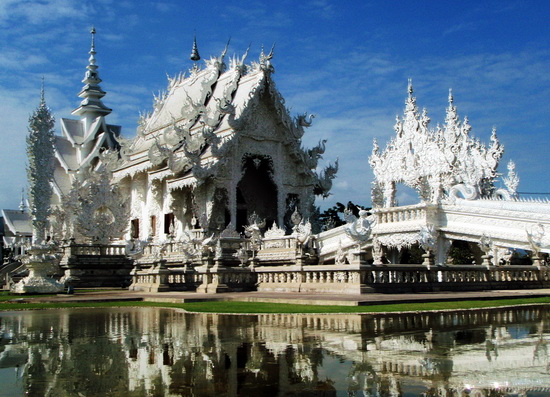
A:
(463, 253)
(256, 191)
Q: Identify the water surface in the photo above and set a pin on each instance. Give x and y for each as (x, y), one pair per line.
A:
(165, 352)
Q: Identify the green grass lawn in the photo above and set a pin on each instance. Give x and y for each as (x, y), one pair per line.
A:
(257, 307)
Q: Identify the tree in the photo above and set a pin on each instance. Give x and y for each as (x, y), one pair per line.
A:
(335, 216)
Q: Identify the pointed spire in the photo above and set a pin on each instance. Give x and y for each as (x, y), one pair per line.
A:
(92, 92)
(195, 52)
(42, 94)
(23, 204)
(410, 87)
(451, 96)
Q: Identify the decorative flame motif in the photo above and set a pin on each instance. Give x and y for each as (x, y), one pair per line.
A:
(434, 161)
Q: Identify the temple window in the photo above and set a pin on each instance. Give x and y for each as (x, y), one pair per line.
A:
(168, 222)
(134, 228)
(153, 226)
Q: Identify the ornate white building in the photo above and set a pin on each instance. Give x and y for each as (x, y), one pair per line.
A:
(216, 189)
(218, 147)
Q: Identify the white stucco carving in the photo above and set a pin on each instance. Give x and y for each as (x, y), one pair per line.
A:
(434, 161)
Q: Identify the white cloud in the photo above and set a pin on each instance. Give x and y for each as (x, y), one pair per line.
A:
(40, 12)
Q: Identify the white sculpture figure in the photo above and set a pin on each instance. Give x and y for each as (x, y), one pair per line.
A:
(41, 259)
(428, 242)
(340, 258)
(208, 244)
(534, 238)
(254, 233)
(303, 232)
(242, 255)
(186, 246)
(434, 161)
(134, 248)
(504, 255)
(377, 252)
(359, 229)
(295, 218)
(486, 245)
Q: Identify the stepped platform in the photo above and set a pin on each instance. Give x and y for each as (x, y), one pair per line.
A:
(298, 298)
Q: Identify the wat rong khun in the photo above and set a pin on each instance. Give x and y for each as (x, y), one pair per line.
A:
(216, 193)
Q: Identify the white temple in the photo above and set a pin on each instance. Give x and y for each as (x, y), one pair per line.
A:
(215, 193)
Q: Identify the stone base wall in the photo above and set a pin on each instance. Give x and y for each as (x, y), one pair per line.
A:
(342, 279)
(93, 266)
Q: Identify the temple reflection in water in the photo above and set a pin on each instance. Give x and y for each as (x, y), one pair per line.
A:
(150, 351)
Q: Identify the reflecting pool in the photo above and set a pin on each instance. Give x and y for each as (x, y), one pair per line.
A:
(165, 352)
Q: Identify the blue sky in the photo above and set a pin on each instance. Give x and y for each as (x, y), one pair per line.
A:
(347, 62)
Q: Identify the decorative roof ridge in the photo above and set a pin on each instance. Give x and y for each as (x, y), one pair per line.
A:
(93, 129)
(61, 160)
(65, 131)
(95, 151)
(8, 220)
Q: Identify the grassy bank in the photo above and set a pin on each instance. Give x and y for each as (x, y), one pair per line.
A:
(257, 307)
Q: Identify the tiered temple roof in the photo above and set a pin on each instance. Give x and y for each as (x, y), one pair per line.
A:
(79, 145)
(194, 123)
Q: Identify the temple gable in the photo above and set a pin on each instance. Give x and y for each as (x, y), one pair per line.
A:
(218, 147)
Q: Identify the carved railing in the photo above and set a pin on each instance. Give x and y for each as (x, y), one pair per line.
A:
(99, 250)
(401, 214)
(349, 279)
(284, 242)
(400, 278)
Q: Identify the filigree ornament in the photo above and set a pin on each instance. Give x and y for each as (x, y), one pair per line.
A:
(274, 232)
(40, 157)
(324, 183)
(204, 122)
(512, 180)
(446, 159)
(103, 214)
(399, 241)
(303, 121)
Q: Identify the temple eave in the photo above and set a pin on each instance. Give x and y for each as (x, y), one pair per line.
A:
(81, 110)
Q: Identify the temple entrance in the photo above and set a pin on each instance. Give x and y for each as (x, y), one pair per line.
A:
(256, 191)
